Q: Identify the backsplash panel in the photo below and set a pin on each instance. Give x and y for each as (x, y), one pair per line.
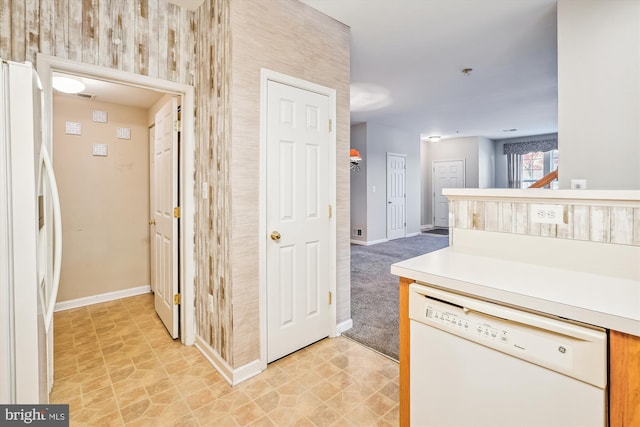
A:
(595, 223)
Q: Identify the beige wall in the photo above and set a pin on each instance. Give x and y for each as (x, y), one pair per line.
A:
(104, 200)
(291, 38)
(599, 93)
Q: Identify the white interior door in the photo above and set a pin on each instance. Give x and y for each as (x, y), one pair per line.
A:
(298, 218)
(446, 174)
(396, 196)
(165, 229)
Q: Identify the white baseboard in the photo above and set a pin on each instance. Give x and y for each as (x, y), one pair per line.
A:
(372, 242)
(344, 326)
(426, 227)
(97, 299)
(417, 233)
(232, 376)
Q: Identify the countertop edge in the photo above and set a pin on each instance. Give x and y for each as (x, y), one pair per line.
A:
(554, 308)
(541, 193)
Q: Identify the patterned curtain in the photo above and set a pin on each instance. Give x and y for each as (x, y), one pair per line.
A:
(531, 146)
(514, 173)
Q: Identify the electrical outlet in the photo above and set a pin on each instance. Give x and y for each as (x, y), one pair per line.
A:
(578, 184)
(547, 214)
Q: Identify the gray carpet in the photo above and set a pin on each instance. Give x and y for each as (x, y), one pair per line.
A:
(439, 231)
(374, 290)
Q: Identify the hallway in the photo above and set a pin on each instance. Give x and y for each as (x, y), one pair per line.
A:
(115, 365)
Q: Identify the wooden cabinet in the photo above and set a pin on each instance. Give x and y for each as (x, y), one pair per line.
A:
(404, 351)
(624, 380)
(624, 371)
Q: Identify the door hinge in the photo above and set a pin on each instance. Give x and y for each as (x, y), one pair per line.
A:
(330, 211)
(177, 126)
(176, 212)
(330, 126)
(176, 299)
(330, 298)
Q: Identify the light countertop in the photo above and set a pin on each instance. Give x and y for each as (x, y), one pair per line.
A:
(604, 301)
(532, 194)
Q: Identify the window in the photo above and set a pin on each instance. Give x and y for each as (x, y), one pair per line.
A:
(537, 164)
(528, 161)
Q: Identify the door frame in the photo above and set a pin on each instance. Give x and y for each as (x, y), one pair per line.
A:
(152, 251)
(266, 76)
(387, 194)
(47, 64)
(433, 182)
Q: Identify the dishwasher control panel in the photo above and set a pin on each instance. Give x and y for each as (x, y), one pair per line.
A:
(556, 344)
(462, 323)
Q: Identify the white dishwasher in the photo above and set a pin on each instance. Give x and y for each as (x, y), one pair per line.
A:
(475, 363)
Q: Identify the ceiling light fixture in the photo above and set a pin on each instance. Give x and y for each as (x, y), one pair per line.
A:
(434, 138)
(67, 84)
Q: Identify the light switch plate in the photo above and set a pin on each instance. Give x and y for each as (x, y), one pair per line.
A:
(100, 150)
(99, 116)
(205, 191)
(72, 128)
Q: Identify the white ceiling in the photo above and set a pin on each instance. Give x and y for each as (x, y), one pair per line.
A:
(408, 55)
(407, 58)
(116, 93)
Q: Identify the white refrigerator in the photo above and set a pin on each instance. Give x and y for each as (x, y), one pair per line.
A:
(30, 240)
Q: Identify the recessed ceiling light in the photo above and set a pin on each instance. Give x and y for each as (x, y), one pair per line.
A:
(67, 84)
(434, 138)
(509, 130)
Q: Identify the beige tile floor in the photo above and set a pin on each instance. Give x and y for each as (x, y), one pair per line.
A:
(115, 365)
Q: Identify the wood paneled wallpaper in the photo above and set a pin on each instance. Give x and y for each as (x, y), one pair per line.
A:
(213, 215)
(618, 224)
(157, 39)
(149, 37)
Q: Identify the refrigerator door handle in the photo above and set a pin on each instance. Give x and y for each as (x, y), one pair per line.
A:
(47, 168)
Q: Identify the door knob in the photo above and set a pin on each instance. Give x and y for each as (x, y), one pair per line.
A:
(152, 222)
(275, 236)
